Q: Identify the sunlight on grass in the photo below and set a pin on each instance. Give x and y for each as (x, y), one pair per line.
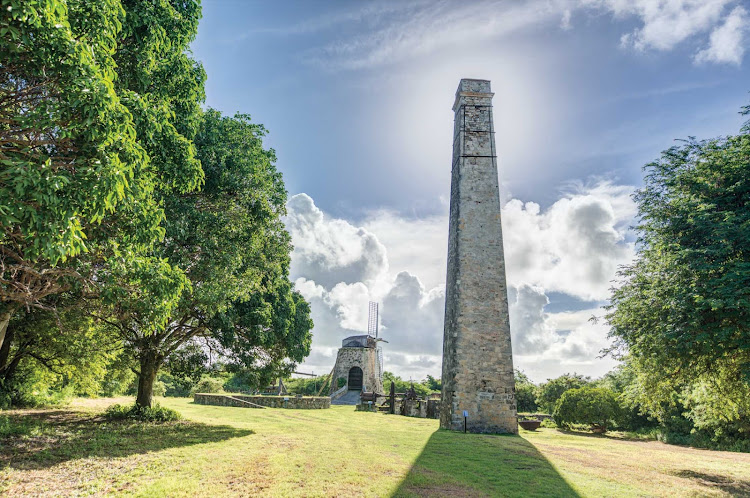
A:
(225, 451)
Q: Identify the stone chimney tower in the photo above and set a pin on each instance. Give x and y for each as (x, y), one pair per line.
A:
(477, 357)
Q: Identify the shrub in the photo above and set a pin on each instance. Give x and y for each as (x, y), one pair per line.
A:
(596, 407)
(208, 385)
(526, 397)
(309, 387)
(176, 386)
(551, 391)
(155, 413)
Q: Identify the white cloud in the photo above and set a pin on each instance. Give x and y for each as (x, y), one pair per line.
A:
(331, 248)
(666, 23)
(532, 330)
(565, 21)
(417, 29)
(572, 247)
(727, 40)
(419, 244)
(431, 26)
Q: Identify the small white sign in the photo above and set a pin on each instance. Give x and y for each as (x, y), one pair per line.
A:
(466, 414)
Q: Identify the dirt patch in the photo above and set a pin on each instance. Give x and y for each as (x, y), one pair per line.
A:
(254, 483)
(68, 478)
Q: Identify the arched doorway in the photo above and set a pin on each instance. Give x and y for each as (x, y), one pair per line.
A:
(355, 378)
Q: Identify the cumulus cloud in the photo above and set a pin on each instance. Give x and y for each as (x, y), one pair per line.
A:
(339, 267)
(332, 248)
(532, 330)
(727, 40)
(666, 23)
(572, 247)
(669, 23)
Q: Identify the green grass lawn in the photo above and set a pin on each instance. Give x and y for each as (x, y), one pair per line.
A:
(225, 451)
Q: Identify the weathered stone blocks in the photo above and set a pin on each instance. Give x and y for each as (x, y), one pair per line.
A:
(477, 357)
(245, 401)
(364, 358)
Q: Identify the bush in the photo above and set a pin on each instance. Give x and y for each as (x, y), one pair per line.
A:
(551, 391)
(208, 385)
(308, 387)
(31, 389)
(526, 397)
(596, 407)
(155, 413)
(176, 386)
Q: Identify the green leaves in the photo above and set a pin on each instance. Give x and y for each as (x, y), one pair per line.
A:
(86, 150)
(68, 143)
(682, 312)
(594, 406)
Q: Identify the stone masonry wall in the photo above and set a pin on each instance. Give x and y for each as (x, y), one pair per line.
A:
(364, 358)
(304, 403)
(477, 357)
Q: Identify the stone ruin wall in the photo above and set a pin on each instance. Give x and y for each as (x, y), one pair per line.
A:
(303, 403)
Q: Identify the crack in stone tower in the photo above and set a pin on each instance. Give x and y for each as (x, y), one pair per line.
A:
(477, 358)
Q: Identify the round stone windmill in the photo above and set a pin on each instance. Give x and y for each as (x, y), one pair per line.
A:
(359, 363)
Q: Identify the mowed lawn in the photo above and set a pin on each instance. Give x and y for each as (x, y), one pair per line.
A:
(224, 451)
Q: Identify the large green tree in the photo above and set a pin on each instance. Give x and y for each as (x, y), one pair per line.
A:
(99, 101)
(231, 242)
(682, 311)
(68, 152)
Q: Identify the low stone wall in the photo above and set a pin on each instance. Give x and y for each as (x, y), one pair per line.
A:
(245, 401)
(420, 408)
(534, 416)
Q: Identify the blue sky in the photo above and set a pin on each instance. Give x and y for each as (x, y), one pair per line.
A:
(357, 98)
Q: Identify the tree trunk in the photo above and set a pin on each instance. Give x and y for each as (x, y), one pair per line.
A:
(150, 363)
(5, 317)
(6, 375)
(5, 349)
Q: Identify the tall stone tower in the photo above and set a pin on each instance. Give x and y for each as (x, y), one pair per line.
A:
(477, 357)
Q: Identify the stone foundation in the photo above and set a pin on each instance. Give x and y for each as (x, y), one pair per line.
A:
(421, 408)
(244, 401)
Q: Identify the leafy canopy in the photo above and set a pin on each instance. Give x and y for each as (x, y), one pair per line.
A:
(231, 243)
(682, 312)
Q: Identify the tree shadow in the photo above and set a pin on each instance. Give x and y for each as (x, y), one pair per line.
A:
(467, 465)
(735, 487)
(41, 439)
(619, 437)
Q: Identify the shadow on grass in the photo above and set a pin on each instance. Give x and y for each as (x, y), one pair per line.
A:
(467, 465)
(40, 439)
(606, 435)
(735, 487)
